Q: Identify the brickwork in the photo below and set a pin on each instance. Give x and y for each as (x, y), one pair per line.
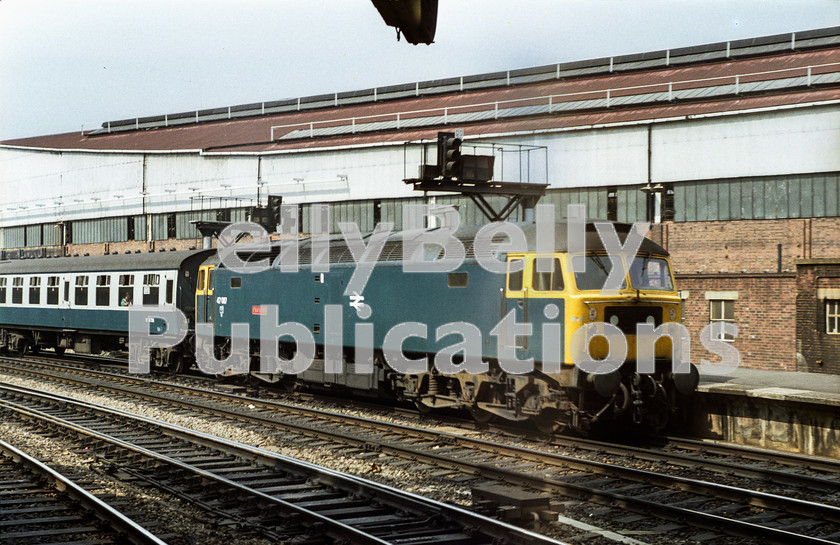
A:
(763, 313)
(818, 351)
(132, 246)
(778, 313)
(749, 246)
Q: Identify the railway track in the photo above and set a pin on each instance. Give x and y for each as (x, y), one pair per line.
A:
(744, 511)
(40, 505)
(280, 497)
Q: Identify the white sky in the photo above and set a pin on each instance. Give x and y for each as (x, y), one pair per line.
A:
(65, 64)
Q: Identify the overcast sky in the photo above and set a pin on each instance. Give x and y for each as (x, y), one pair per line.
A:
(65, 64)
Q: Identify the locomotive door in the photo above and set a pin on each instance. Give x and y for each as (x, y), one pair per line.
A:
(516, 299)
(204, 309)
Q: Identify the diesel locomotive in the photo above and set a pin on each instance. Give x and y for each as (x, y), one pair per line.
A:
(437, 339)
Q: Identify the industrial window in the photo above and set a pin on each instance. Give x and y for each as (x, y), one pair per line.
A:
(35, 290)
(721, 311)
(548, 281)
(2, 290)
(458, 280)
(17, 290)
(103, 290)
(151, 289)
(129, 222)
(668, 207)
(612, 203)
(515, 278)
(81, 290)
(171, 229)
(235, 282)
(832, 316)
(52, 290)
(125, 291)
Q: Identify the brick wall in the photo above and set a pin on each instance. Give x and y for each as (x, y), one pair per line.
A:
(818, 351)
(747, 245)
(763, 313)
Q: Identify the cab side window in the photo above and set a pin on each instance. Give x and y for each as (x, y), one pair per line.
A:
(516, 274)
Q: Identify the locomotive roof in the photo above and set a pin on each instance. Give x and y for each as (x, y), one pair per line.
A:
(97, 263)
(393, 249)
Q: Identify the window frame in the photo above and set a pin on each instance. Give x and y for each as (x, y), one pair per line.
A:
(723, 303)
(103, 288)
(537, 278)
(35, 290)
(81, 291)
(832, 314)
(53, 290)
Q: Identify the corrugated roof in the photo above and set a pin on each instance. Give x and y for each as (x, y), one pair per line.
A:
(701, 82)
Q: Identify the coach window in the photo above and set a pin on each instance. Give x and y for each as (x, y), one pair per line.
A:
(52, 290)
(17, 290)
(103, 290)
(2, 291)
(35, 290)
(81, 290)
(125, 290)
(548, 281)
(832, 316)
(151, 289)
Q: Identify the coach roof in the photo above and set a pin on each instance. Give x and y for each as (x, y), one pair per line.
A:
(101, 263)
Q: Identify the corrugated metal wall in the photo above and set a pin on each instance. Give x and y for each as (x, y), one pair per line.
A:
(814, 195)
(100, 230)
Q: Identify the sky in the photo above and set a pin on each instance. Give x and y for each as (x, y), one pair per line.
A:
(66, 65)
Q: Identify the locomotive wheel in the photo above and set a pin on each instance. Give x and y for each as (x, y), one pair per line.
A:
(480, 415)
(548, 421)
(23, 347)
(59, 351)
(176, 364)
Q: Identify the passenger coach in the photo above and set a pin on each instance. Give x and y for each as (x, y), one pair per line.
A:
(82, 302)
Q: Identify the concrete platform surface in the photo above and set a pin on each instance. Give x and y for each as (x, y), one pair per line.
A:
(817, 388)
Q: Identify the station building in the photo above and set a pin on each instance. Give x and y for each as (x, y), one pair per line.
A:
(731, 150)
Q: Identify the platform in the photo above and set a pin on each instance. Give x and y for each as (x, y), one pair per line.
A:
(779, 410)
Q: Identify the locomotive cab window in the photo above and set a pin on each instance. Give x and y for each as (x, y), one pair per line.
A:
(17, 290)
(650, 273)
(125, 290)
(596, 270)
(516, 274)
(2, 291)
(52, 290)
(548, 281)
(201, 278)
(35, 290)
(151, 289)
(103, 290)
(81, 290)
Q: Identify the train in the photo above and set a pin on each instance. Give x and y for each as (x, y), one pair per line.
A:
(439, 340)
